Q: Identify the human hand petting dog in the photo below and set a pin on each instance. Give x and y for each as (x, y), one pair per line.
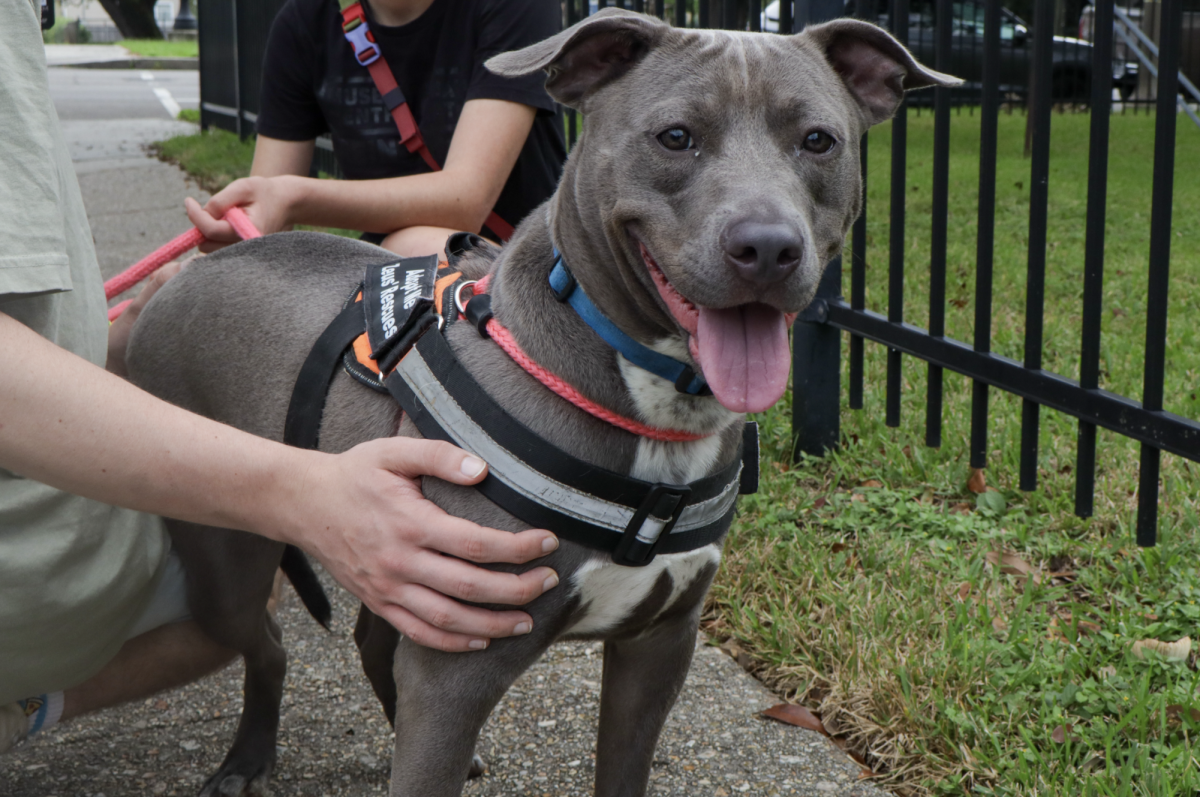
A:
(403, 556)
(361, 513)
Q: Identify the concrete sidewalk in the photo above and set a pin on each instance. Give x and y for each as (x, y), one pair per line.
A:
(334, 739)
(134, 201)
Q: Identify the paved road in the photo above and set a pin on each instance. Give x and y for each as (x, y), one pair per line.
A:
(90, 94)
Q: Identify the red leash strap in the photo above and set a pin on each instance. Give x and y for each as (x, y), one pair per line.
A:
(566, 390)
(367, 52)
(164, 254)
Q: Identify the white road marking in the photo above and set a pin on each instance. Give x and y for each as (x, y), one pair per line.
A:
(147, 76)
(168, 102)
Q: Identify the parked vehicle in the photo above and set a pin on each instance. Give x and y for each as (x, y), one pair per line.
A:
(1071, 74)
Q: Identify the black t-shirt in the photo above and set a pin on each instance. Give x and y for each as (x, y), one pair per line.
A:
(312, 84)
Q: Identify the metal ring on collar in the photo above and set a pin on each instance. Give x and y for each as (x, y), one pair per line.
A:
(458, 302)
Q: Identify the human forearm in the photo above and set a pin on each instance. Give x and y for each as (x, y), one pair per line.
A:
(445, 199)
(70, 424)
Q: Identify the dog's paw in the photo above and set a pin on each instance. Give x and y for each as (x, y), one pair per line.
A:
(478, 767)
(234, 784)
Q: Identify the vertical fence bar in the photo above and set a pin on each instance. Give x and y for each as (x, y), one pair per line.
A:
(817, 345)
(660, 9)
(680, 13)
(705, 18)
(1093, 258)
(1160, 257)
(858, 282)
(237, 72)
(941, 210)
(755, 15)
(896, 232)
(785, 17)
(989, 119)
(1039, 188)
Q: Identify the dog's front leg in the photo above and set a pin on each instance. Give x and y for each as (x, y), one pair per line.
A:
(642, 679)
(442, 701)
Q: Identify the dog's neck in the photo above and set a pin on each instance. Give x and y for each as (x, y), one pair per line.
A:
(554, 336)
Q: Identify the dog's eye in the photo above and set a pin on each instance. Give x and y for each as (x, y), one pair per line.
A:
(676, 139)
(818, 141)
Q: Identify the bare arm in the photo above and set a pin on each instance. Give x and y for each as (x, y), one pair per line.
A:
(70, 424)
(274, 157)
(487, 141)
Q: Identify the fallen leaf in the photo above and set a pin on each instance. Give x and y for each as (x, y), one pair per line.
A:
(961, 508)
(1175, 712)
(1061, 734)
(161, 705)
(1170, 651)
(858, 498)
(1107, 672)
(796, 715)
(1088, 627)
(1093, 764)
(872, 483)
(964, 591)
(999, 625)
(977, 482)
(866, 773)
(1009, 563)
(906, 451)
(838, 547)
(820, 502)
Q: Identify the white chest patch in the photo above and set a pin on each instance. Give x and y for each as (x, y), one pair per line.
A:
(611, 592)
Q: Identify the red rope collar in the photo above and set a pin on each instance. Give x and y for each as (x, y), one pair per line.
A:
(505, 341)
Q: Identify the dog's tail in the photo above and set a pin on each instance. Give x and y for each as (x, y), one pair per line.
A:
(297, 568)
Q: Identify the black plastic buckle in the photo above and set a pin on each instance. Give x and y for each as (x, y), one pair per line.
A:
(479, 311)
(663, 505)
(684, 382)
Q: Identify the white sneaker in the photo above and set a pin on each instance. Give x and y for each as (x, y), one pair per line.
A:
(14, 726)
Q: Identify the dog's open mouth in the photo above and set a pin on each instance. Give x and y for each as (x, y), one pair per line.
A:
(743, 350)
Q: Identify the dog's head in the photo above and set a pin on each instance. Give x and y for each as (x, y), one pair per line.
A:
(717, 174)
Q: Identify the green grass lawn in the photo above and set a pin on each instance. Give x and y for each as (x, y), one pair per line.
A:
(860, 584)
(161, 48)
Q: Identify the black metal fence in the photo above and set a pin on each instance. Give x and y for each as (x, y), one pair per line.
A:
(1000, 56)
(1145, 421)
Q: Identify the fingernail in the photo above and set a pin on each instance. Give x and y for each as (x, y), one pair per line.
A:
(472, 466)
(550, 544)
(477, 644)
(522, 628)
(550, 583)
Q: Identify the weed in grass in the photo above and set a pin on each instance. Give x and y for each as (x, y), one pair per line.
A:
(860, 584)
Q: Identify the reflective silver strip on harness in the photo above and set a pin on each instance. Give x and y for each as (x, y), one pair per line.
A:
(536, 486)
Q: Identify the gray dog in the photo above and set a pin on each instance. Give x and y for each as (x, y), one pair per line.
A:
(717, 174)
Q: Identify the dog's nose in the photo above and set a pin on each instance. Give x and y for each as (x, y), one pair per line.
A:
(762, 253)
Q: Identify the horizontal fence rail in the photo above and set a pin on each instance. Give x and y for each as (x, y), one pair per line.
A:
(1116, 61)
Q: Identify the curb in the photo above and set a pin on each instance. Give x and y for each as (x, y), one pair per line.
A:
(136, 63)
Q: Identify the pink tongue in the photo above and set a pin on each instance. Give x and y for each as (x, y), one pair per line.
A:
(744, 354)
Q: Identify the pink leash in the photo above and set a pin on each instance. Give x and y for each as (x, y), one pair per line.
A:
(164, 254)
(566, 390)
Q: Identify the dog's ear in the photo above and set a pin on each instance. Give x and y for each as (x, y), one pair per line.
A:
(875, 67)
(586, 55)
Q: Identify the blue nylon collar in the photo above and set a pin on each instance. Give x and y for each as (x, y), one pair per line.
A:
(567, 290)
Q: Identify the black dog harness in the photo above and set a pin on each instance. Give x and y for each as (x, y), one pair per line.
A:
(407, 355)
